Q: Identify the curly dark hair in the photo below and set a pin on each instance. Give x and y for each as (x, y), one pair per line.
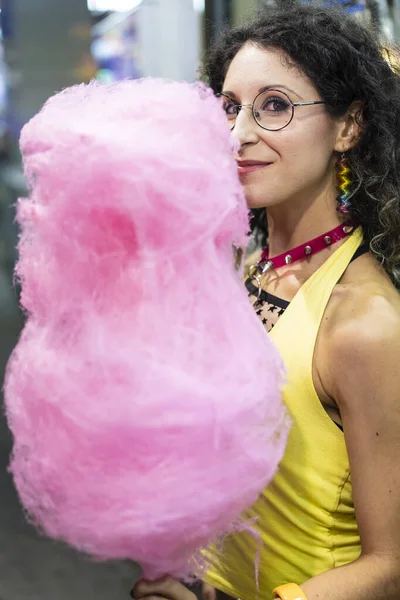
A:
(346, 63)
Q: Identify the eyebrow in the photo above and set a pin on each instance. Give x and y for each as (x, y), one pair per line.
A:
(273, 86)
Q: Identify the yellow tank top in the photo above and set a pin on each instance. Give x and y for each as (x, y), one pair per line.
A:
(306, 515)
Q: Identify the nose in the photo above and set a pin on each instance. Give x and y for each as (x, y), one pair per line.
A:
(245, 129)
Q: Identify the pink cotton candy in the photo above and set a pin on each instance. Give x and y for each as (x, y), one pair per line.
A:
(144, 395)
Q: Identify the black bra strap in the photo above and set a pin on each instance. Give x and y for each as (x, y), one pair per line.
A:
(363, 249)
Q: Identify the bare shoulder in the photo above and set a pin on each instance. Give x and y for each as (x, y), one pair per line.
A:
(361, 328)
(362, 368)
(365, 303)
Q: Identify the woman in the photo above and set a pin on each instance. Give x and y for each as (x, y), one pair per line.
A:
(316, 111)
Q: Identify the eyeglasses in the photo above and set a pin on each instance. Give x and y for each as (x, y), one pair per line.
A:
(272, 109)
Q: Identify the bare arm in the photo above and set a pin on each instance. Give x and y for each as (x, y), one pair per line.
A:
(364, 361)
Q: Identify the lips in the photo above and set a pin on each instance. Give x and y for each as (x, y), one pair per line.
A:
(248, 166)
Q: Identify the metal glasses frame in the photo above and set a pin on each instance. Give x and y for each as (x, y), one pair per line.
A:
(254, 112)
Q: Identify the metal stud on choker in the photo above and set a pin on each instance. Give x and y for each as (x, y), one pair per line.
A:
(299, 253)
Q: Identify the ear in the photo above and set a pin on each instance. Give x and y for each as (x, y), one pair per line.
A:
(349, 128)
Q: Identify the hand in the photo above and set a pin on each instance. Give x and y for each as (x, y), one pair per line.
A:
(166, 588)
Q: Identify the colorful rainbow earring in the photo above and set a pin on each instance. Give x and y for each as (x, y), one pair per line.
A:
(344, 182)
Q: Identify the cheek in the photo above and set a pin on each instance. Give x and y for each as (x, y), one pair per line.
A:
(311, 137)
(307, 148)
(302, 159)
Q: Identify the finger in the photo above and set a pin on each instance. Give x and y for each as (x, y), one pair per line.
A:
(132, 595)
(208, 592)
(167, 587)
(144, 588)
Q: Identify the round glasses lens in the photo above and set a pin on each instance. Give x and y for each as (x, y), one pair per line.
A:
(273, 110)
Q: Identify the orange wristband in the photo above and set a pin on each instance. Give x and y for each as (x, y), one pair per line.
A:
(289, 591)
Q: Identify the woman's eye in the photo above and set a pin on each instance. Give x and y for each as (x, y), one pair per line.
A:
(274, 104)
(230, 108)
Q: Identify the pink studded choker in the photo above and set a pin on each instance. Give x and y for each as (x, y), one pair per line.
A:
(300, 252)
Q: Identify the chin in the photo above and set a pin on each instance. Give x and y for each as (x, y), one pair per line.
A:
(260, 201)
(264, 196)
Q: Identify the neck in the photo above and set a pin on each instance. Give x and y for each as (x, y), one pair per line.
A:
(290, 226)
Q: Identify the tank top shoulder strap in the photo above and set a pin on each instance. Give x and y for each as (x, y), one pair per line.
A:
(309, 304)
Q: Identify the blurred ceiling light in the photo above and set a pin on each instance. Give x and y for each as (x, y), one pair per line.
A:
(199, 5)
(112, 5)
